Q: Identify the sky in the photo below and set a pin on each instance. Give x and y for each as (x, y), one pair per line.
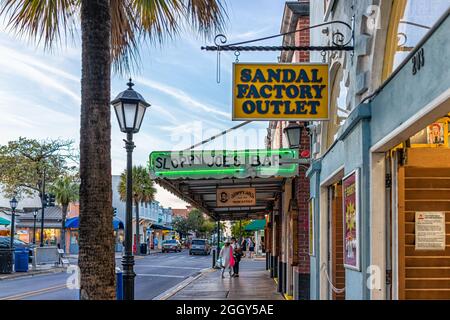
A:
(40, 90)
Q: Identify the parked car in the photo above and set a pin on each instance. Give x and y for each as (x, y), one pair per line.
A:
(171, 245)
(200, 246)
(5, 242)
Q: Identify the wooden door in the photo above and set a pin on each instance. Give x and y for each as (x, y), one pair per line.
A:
(337, 242)
(423, 185)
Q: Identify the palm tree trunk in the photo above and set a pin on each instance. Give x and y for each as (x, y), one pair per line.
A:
(63, 227)
(138, 240)
(96, 255)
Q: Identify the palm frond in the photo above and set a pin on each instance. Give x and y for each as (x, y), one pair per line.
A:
(41, 20)
(207, 16)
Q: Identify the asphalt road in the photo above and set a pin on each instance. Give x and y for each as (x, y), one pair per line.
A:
(156, 273)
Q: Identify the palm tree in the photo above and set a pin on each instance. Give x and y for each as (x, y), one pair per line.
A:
(111, 32)
(65, 191)
(143, 192)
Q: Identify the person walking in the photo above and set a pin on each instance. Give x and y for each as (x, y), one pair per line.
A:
(226, 254)
(244, 247)
(251, 247)
(237, 253)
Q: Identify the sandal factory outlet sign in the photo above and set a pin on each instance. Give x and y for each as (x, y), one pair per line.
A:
(273, 91)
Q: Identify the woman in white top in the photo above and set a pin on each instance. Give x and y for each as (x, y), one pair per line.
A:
(225, 254)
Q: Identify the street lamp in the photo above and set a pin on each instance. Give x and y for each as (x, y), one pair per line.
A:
(293, 134)
(34, 226)
(13, 203)
(130, 108)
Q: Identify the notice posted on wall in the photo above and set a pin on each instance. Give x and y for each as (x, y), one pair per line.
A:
(430, 230)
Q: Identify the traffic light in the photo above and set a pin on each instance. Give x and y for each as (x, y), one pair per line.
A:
(114, 211)
(51, 200)
(45, 200)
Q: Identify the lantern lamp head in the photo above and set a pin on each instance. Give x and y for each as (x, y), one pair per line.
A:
(130, 107)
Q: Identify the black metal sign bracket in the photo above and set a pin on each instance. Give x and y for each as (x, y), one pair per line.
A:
(339, 42)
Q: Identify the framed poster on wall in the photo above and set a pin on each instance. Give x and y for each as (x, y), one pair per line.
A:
(351, 190)
(311, 225)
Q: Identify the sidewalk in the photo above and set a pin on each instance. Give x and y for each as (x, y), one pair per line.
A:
(42, 269)
(254, 283)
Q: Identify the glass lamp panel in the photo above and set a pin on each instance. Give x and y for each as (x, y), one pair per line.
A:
(140, 116)
(13, 203)
(119, 113)
(293, 135)
(130, 114)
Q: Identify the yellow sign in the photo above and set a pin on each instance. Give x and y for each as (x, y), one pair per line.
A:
(273, 91)
(236, 197)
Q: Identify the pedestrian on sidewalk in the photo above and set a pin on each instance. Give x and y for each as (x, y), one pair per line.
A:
(226, 254)
(251, 247)
(244, 247)
(237, 253)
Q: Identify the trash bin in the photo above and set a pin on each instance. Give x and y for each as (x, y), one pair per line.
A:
(21, 260)
(119, 284)
(143, 248)
(6, 260)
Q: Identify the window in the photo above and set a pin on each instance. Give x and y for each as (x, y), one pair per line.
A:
(410, 20)
(338, 110)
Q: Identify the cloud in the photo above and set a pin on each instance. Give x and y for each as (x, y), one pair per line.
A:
(28, 67)
(184, 98)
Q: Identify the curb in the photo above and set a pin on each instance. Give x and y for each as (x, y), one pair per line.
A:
(31, 274)
(172, 291)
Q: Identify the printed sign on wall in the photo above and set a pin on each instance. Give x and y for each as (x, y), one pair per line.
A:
(350, 187)
(430, 231)
(273, 91)
(236, 197)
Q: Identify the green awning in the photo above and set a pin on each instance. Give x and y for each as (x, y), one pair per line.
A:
(4, 222)
(256, 225)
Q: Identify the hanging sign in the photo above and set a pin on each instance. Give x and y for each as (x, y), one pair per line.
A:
(430, 231)
(236, 197)
(350, 187)
(273, 91)
(220, 164)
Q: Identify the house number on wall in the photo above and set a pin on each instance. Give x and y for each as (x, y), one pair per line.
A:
(418, 61)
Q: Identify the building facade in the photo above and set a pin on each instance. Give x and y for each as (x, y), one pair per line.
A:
(287, 232)
(380, 165)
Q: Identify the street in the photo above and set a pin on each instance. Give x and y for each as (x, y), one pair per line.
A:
(156, 273)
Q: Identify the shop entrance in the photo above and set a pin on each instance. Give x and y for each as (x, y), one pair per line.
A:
(336, 249)
(423, 184)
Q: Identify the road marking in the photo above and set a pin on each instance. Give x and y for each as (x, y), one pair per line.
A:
(34, 293)
(171, 267)
(158, 275)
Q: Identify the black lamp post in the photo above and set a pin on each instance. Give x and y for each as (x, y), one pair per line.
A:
(34, 226)
(130, 108)
(13, 203)
(293, 134)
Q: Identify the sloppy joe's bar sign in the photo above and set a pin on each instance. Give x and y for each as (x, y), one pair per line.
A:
(280, 92)
(223, 164)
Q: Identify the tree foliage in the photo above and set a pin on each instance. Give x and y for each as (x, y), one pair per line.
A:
(23, 162)
(195, 222)
(238, 232)
(133, 22)
(143, 187)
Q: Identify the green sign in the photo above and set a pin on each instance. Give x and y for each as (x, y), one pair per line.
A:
(223, 164)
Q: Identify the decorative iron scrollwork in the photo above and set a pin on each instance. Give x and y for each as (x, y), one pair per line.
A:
(338, 40)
